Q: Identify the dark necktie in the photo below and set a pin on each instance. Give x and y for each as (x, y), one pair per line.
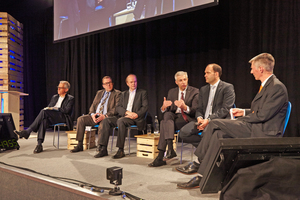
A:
(102, 104)
(182, 113)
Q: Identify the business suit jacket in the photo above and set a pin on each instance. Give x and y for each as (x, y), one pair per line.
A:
(223, 100)
(111, 104)
(66, 108)
(191, 100)
(268, 109)
(140, 106)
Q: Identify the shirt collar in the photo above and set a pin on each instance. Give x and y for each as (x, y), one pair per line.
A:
(216, 84)
(263, 83)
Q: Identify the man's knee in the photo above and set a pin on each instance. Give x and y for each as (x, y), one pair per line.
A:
(168, 116)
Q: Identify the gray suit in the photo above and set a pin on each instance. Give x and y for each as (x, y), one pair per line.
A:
(223, 100)
(87, 120)
(264, 119)
(173, 121)
(140, 106)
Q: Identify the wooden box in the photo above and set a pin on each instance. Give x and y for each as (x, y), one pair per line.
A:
(72, 142)
(147, 145)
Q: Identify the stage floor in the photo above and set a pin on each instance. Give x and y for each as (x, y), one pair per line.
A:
(138, 179)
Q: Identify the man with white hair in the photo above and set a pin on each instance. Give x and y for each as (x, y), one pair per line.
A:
(178, 108)
(59, 110)
(265, 118)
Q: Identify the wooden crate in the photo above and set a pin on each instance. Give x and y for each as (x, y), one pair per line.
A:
(72, 142)
(147, 145)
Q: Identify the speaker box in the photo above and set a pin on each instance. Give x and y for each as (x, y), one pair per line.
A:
(233, 154)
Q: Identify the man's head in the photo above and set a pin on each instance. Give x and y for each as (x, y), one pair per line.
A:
(63, 88)
(213, 73)
(131, 82)
(262, 66)
(181, 79)
(107, 83)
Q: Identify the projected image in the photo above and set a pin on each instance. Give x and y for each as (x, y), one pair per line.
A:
(76, 17)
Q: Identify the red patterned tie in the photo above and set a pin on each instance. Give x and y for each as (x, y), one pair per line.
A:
(182, 113)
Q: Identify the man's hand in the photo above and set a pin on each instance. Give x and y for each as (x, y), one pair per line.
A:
(180, 104)
(98, 117)
(131, 115)
(237, 112)
(203, 124)
(166, 104)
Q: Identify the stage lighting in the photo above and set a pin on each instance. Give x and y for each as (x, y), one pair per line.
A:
(115, 175)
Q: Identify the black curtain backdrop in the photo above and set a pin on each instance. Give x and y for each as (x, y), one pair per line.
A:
(229, 34)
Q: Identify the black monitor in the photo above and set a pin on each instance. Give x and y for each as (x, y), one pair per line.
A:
(8, 139)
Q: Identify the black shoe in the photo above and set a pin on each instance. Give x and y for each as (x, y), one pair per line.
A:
(191, 168)
(193, 183)
(170, 154)
(157, 163)
(22, 134)
(38, 149)
(101, 153)
(119, 154)
(77, 149)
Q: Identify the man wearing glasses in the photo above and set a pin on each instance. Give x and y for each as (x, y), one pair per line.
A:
(59, 110)
(104, 105)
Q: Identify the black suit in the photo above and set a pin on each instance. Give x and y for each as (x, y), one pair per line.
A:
(264, 119)
(223, 100)
(47, 117)
(173, 121)
(140, 107)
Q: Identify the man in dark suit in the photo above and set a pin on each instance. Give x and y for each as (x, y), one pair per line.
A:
(131, 109)
(179, 108)
(215, 100)
(264, 119)
(104, 105)
(59, 110)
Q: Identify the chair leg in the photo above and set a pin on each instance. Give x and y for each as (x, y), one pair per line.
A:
(181, 152)
(128, 137)
(58, 137)
(54, 137)
(192, 153)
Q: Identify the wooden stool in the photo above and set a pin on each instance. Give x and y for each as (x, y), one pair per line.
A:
(72, 142)
(147, 145)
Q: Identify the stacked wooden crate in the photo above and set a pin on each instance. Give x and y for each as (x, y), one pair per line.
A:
(11, 68)
(88, 140)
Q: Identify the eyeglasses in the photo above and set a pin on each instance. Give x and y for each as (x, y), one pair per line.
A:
(60, 88)
(107, 83)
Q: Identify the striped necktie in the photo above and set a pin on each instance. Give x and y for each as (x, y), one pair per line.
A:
(102, 104)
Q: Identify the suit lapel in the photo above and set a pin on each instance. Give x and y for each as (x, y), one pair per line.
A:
(219, 88)
(259, 94)
(187, 95)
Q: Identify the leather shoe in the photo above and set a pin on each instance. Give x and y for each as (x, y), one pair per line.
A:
(98, 148)
(171, 154)
(22, 134)
(157, 163)
(77, 149)
(191, 168)
(193, 183)
(101, 153)
(119, 154)
(38, 149)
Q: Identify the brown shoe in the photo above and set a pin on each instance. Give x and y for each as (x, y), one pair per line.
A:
(119, 154)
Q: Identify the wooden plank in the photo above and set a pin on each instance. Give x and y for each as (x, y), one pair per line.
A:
(3, 45)
(150, 148)
(85, 140)
(85, 147)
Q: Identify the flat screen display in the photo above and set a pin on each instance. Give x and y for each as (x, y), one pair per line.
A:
(77, 17)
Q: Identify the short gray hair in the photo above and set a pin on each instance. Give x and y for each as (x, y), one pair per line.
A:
(180, 73)
(66, 84)
(265, 59)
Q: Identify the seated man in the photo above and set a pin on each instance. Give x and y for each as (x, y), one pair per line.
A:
(59, 110)
(264, 119)
(131, 109)
(215, 100)
(104, 105)
(179, 108)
